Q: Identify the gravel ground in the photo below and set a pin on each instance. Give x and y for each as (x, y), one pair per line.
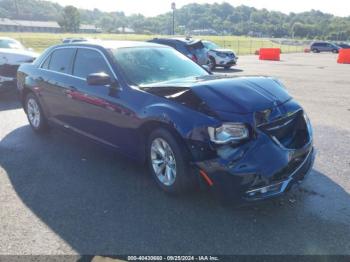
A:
(63, 195)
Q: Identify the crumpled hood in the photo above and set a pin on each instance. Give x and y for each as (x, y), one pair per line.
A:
(220, 93)
(222, 50)
(241, 94)
(16, 56)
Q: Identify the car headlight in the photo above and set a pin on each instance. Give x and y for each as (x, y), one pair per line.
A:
(222, 55)
(228, 132)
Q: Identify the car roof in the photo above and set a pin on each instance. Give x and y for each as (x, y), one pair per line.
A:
(180, 39)
(8, 38)
(111, 44)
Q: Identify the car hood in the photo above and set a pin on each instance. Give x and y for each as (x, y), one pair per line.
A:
(222, 50)
(221, 94)
(16, 56)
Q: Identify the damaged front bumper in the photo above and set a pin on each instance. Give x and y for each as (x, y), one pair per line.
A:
(261, 168)
(8, 74)
(269, 177)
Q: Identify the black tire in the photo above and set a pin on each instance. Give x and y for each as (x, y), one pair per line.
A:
(185, 179)
(227, 67)
(334, 51)
(212, 63)
(315, 50)
(41, 126)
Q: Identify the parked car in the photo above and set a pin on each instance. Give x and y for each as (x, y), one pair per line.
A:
(193, 49)
(344, 46)
(71, 40)
(220, 57)
(246, 137)
(12, 54)
(318, 47)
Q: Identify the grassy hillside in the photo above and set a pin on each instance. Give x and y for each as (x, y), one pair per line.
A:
(241, 45)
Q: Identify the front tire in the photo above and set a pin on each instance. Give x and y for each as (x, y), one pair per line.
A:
(169, 163)
(212, 63)
(35, 114)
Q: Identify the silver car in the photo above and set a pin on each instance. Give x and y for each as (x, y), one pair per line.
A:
(12, 54)
(220, 57)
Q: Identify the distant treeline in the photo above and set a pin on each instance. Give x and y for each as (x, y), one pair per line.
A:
(223, 18)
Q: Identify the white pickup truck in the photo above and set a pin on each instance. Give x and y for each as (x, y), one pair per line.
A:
(12, 54)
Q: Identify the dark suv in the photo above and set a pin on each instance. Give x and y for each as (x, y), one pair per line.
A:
(318, 47)
(193, 49)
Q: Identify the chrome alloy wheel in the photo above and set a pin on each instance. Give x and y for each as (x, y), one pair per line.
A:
(33, 112)
(163, 161)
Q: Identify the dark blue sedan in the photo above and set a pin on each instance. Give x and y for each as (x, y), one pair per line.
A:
(246, 137)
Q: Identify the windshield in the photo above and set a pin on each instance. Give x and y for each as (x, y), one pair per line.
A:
(12, 44)
(211, 45)
(149, 65)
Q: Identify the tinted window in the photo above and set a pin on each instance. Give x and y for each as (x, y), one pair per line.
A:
(46, 63)
(88, 62)
(61, 60)
(12, 44)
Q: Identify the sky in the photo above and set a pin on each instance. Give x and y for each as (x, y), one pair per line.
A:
(155, 7)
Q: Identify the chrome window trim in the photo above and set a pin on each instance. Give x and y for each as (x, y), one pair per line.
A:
(76, 47)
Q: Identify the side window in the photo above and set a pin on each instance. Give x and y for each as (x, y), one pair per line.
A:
(45, 65)
(88, 62)
(61, 60)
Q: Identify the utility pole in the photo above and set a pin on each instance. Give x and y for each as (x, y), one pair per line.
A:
(17, 10)
(17, 14)
(173, 7)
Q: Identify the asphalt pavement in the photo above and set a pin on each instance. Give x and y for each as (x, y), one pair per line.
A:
(64, 195)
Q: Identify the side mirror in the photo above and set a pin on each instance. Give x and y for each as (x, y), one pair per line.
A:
(99, 79)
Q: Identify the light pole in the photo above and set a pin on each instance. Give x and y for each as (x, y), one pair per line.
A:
(173, 7)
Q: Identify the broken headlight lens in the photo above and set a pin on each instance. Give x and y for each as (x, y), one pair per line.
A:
(228, 132)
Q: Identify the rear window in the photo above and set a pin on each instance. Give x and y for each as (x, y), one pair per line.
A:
(195, 46)
(12, 44)
(61, 60)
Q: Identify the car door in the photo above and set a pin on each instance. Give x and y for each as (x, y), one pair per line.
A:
(98, 110)
(324, 47)
(54, 82)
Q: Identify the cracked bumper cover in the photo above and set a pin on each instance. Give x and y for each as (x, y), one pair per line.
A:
(258, 170)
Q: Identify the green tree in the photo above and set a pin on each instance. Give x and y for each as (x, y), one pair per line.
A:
(70, 19)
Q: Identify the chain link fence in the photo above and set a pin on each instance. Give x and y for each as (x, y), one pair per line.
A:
(239, 44)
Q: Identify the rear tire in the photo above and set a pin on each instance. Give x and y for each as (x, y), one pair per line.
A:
(35, 114)
(334, 51)
(169, 164)
(315, 50)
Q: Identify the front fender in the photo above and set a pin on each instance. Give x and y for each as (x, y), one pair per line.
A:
(192, 126)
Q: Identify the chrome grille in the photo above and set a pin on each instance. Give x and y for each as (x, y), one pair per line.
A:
(290, 131)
